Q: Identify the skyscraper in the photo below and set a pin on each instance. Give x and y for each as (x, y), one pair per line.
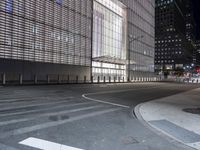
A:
(173, 50)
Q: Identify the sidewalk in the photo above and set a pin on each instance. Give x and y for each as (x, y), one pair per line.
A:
(177, 117)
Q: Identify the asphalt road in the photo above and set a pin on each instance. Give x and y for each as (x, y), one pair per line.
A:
(88, 117)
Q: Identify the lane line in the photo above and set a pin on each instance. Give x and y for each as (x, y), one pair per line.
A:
(7, 113)
(32, 104)
(104, 102)
(48, 114)
(28, 99)
(38, 110)
(53, 123)
(118, 91)
(45, 145)
(113, 91)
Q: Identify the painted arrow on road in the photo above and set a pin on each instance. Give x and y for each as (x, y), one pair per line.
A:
(45, 145)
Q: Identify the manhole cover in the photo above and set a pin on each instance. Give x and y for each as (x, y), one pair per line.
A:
(192, 110)
(129, 140)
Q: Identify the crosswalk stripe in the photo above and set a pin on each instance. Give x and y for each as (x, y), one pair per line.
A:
(45, 145)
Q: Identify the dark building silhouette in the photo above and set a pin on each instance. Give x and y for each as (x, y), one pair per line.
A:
(173, 49)
(197, 44)
(191, 29)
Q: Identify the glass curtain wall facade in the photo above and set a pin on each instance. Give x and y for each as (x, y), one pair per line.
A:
(46, 31)
(77, 37)
(109, 40)
(114, 22)
(141, 23)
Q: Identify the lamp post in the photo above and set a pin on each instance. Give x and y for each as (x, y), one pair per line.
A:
(131, 39)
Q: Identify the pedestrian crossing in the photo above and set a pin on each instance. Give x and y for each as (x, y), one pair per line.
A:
(25, 111)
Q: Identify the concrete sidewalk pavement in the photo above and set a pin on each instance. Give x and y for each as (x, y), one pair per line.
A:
(176, 116)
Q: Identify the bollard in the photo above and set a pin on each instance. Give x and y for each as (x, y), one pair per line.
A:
(77, 79)
(84, 79)
(20, 79)
(48, 79)
(4, 79)
(58, 79)
(91, 79)
(35, 79)
(68, 78)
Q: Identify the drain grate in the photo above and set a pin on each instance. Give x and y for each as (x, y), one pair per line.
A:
(192, 110)
(129, 140)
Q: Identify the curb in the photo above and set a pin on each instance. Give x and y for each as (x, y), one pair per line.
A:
(158, 131)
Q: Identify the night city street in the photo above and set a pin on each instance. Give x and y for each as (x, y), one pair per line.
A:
(99, 75)
(62, 115)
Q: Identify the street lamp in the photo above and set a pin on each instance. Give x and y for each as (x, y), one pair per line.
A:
(131, 39)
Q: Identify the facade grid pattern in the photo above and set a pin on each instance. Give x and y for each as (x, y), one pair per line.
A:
(46, 31)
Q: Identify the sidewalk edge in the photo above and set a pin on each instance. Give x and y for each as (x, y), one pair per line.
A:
(158, 131)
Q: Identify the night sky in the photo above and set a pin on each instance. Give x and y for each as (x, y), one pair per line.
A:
(197, 16)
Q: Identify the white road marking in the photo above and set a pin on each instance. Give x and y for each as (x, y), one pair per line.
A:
(34, 110)
(194, 145)
(113, 91)
(45, 145)
(37, 104)
(28, 99)
(53, 123)
(100, 101)
(49, 114)
(117, 91)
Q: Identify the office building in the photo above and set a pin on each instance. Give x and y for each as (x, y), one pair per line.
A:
(197, 44)
(173, 50)
(70, 39)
